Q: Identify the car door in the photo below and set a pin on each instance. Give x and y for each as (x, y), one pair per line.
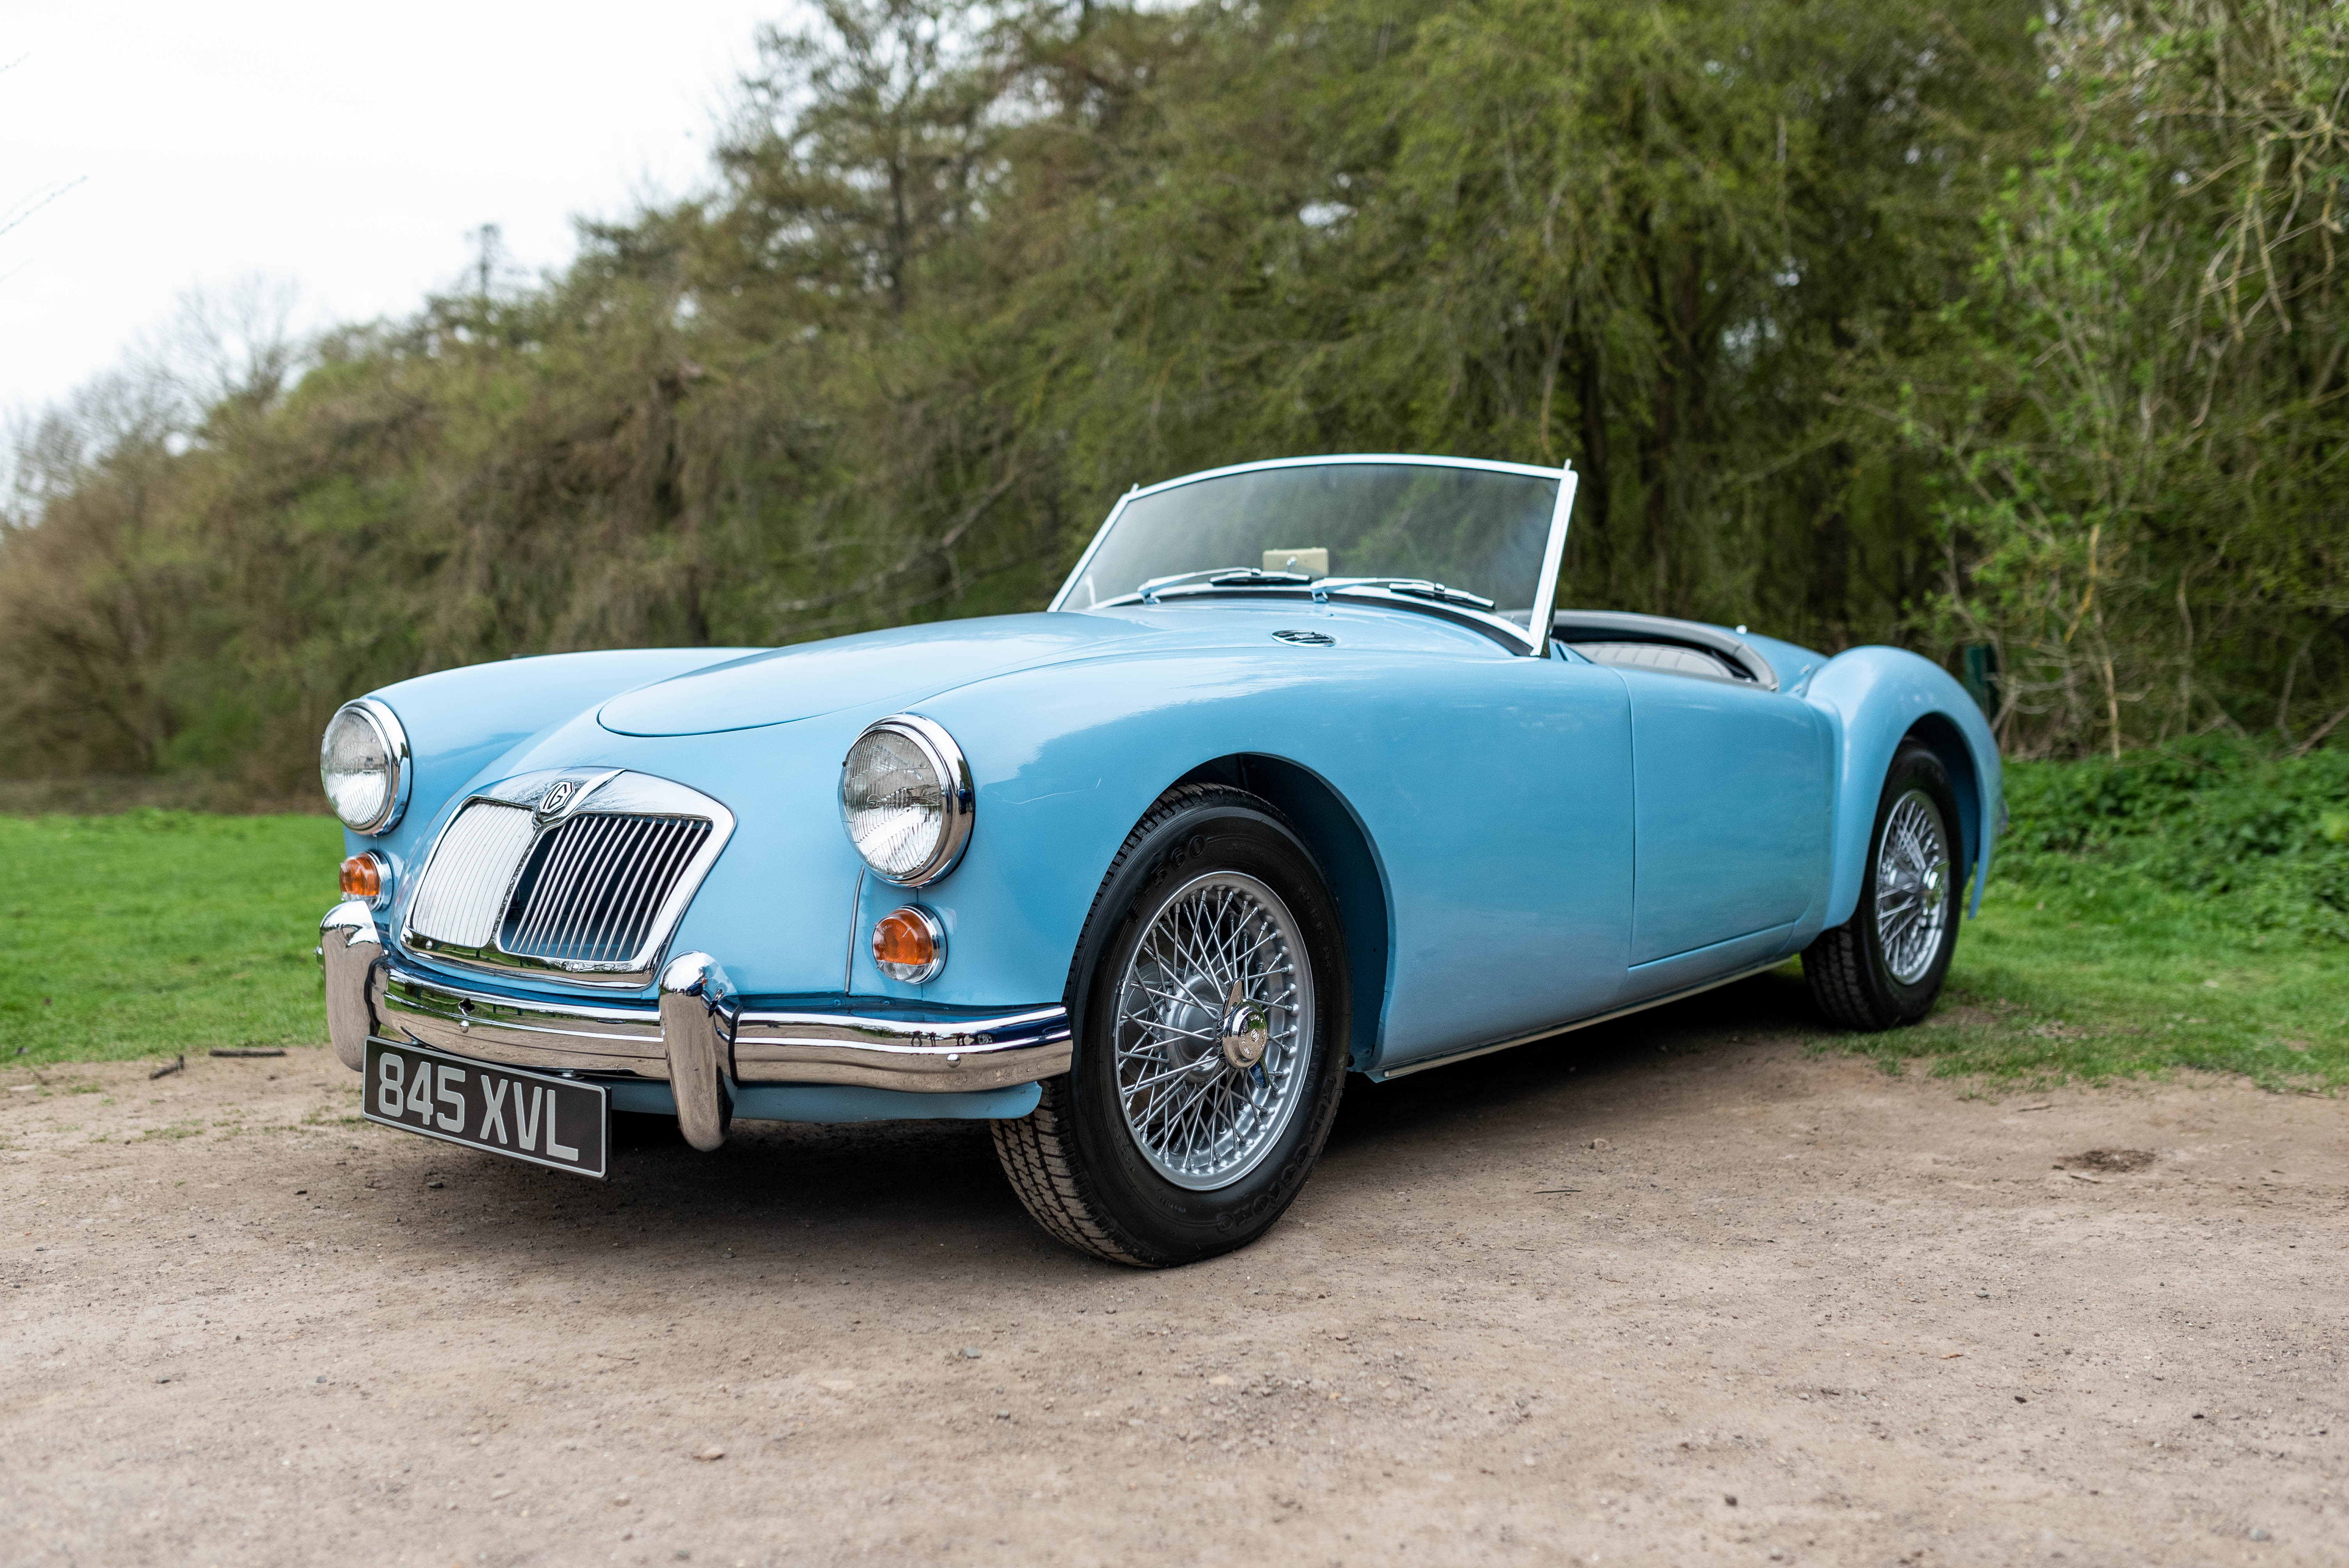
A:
(1731, 803)
(1499, 795)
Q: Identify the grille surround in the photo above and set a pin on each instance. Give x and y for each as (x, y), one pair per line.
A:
(583, 875)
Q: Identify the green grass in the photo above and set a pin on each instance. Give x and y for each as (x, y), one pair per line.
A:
(2121, 979)
(158, 932)
(2186, 907)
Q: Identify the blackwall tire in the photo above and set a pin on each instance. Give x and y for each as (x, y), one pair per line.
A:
(1107, 1163)
(1884, 966)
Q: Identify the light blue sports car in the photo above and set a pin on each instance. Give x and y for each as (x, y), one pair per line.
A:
(1299, 775)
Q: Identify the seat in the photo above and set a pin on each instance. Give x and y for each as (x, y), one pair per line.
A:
(1657, 643)
(1669, 658)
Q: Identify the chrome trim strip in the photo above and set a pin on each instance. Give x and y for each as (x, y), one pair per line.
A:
(994, 1050)
(1424, 459)
(1532, 639)
(1407, 1068)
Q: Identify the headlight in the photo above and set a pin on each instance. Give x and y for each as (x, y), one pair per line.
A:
(905, 798)
(363, 763)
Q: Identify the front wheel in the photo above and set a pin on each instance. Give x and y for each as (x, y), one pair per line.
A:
(1210, 994)
(1884, 966)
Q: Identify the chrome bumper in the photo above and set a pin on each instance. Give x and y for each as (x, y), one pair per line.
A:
(698, 1038)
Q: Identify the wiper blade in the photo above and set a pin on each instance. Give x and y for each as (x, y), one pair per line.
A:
(1415, 587)
(1213, 577)
(1240, 576)
(1255, 577)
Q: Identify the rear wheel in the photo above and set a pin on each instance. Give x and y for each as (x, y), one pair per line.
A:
(1885, 966)
(1209, 996)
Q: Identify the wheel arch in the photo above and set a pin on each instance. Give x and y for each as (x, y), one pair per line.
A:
(1939, 736)
(1879, 700)
(1338, 843)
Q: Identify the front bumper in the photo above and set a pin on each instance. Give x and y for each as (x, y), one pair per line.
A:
(698, 1037)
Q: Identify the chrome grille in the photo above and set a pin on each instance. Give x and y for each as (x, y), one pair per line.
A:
(594, 894)
(462, 897)
(594, 886)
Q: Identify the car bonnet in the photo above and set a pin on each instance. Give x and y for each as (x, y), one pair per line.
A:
(873, 669)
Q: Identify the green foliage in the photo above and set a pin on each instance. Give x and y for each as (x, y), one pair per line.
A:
(160, 931)
(2261, 838)
(2139, 408)
(968, 274)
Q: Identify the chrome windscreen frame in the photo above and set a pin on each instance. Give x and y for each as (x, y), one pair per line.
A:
(1531, 639)
(593, 791)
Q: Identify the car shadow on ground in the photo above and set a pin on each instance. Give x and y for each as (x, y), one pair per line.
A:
(829, 1198)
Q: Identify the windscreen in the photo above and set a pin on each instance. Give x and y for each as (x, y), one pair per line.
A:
(1474, 529)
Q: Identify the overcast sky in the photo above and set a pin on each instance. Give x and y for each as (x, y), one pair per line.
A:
(348, 150)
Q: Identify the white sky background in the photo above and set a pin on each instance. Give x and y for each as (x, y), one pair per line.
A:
(344, 150)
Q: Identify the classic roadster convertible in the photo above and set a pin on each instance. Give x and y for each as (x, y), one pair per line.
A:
(1301, 775)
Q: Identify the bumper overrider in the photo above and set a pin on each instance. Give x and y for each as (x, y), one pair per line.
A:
(698, 1038)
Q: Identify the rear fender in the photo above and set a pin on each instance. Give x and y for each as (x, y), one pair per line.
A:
(1878, 697)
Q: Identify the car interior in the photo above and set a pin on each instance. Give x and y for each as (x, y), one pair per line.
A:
(1657, 643)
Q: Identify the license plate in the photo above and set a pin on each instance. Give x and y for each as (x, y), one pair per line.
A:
(557, 1122)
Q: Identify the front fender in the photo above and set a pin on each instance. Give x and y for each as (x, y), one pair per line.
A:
(1877, 697)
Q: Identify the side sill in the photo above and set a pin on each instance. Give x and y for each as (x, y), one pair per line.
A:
(1380, 1075)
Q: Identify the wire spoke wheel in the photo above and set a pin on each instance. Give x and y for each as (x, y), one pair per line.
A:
(1912, 887)
(1209, 1001)
(1214, 1027)
(1884, 966)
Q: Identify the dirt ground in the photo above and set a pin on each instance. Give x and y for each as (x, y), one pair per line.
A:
(1666, 1292)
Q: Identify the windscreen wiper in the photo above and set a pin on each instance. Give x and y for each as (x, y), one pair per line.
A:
(1322, 587)
(1213, 577)
(1415, 587)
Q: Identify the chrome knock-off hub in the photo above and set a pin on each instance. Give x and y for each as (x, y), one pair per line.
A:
(1245, 1031)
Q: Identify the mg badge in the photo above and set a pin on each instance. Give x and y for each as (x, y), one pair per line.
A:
(559, 794)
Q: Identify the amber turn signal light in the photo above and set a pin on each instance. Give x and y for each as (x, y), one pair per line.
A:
(909, 945)
(363, 877)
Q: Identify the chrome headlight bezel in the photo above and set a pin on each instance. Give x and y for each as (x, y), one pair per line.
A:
(957, 799)
(392, 739)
